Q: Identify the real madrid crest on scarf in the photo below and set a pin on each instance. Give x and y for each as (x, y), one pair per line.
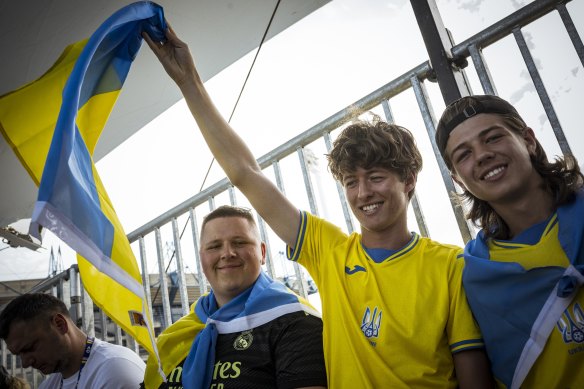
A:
(243, 341)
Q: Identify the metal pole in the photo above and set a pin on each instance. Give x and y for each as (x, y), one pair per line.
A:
(542, 92)
(572, 32)
(417, 208)
(167, 317)
(429, 121)
(195, 231)
(340, 190)
(145, 275)
(180, 270)
(438, 44)
(482, 70)
(75, 287)
(266, 240)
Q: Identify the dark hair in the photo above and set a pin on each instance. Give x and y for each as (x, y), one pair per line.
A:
(229, 211)
(30, 306)
(375, 144)
(562, 178)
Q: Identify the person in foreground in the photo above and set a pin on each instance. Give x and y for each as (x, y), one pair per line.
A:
(394, 311)
(249, 331)
(38, 328)
(523, 273)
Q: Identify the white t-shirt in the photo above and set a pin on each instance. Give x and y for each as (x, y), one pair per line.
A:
(108, 366)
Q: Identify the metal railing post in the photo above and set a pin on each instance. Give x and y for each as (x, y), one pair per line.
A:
(438, 45)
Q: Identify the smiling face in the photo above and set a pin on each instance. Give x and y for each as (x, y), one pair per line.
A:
(379, 199)
(39, 344)
(492, 161)
(232, 255)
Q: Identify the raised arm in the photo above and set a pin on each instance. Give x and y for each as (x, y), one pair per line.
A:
(227, 147)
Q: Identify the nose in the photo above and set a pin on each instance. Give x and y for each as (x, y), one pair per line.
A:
(363, 189)
(227, 251)
(484, 154)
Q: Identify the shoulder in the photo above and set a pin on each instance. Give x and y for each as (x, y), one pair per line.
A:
(316, 224)
(293, 322)
(113, 355)
(440, 250)
(111, 365)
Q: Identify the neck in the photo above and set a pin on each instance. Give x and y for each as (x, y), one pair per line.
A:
(73, 363)
(523, 213)
(392, 239)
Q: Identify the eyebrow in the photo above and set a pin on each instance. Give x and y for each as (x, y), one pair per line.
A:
(232, 238)
(481, 135)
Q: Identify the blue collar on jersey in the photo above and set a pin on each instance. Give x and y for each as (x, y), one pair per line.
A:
(379, 255)
(493, 287)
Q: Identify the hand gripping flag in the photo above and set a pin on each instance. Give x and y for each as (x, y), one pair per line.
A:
(67, 109)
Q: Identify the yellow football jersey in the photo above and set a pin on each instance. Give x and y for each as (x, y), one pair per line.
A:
(394, 323)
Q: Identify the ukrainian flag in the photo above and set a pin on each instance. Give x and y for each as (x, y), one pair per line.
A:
(53, 125)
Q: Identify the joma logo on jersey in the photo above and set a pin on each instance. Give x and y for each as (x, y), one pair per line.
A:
(354, 270)
(571, 325)
(371, 323)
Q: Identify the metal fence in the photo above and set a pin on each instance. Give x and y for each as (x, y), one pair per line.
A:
(172, 238)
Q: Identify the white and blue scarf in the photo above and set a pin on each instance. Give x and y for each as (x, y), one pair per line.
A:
(263, 302)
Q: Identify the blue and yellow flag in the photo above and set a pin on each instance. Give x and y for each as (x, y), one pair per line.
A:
(53, 125)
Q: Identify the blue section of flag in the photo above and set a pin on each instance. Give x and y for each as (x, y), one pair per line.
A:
(68, 190)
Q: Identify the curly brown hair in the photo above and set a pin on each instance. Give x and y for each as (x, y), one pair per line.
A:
(375, 144)
(562, 178)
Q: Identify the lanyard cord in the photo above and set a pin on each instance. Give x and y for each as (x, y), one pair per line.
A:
(88, 345)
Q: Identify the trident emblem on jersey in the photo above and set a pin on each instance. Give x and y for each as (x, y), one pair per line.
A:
(572, 329)
(371, 323)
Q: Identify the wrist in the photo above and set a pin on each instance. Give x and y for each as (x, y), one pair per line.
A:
(192, 86)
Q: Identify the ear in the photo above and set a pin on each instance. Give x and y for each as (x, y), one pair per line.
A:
(263, 248)
(456, 179)
(410, 183)
(530, 141)
(60, 322)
